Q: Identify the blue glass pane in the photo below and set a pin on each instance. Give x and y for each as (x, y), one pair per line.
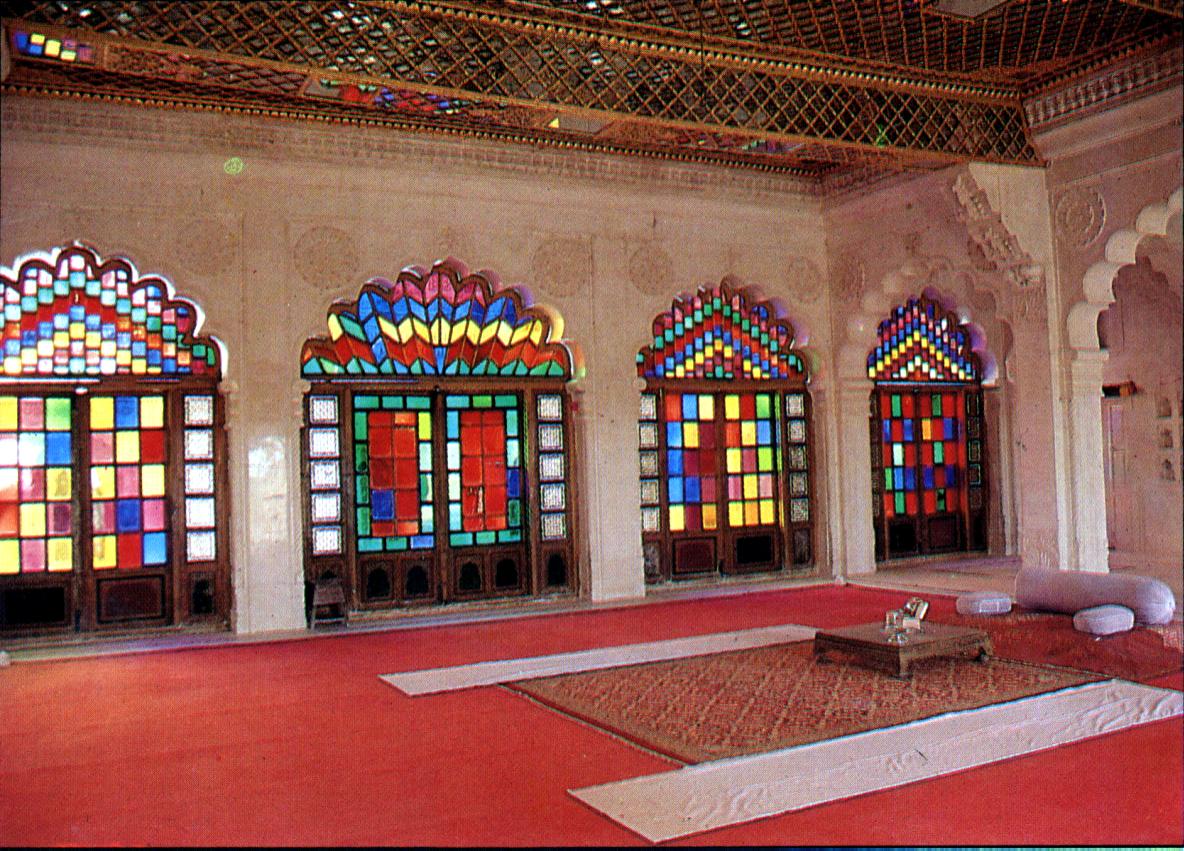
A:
(927, 477)
(897, 478)
(513, 484)
(674, 462)
(674, 487)
(127, 515)
(910, 479)
(690, 407)
(673, 435)
(155, 548)
(908, 430)
(382, 504)
(764, 433)
(127, 412)
(57, 448)
(951, 476)
(692, 489)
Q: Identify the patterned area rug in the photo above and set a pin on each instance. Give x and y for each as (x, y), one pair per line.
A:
(751, 701)
(1142, 655)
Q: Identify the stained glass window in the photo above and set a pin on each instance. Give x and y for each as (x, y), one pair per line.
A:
(36, 484)
(127, 482)
(713, 456)
(927, 387)
(393, 472)
(484, 453)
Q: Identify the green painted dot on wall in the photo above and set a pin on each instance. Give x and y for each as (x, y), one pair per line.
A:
(234, 165)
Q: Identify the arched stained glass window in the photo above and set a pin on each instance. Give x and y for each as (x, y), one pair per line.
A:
(927, 434)
(438, 442)
(724, 439)
(111, 449)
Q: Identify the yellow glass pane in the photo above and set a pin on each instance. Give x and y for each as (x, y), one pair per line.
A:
(60, 554)
(425, 426)
(707, 407)
(10, 556)
(152, 480)
(102, 413)
(735, 460)
(677, 518)
(151, 412)
(752, 514)
(59, 484)
(732, 406)
(926, 429)
(735, 514)
(102, 482)
(127, 447)
(103, 552)
(750, 486)
(710, 519)
(33, 519)
(7, 413)
(766, 512)
(690, 435)
(748, 433)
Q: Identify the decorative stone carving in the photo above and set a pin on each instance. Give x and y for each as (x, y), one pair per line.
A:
(1030, 305)
(1079, 215)
(805, 281)
(850, 276)
(205, 246)
(326, 258)
(561, 265)
(652, 270)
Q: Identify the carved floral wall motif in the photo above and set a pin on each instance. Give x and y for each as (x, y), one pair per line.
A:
(562, 265)
(326, 258)
(1079, 215)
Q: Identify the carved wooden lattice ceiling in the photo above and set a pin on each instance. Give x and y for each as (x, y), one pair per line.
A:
(833, 91)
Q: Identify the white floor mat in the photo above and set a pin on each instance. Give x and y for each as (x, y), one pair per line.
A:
(716, 794)
(509, 670)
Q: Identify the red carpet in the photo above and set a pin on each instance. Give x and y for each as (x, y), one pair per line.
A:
(300, 743)
(1142, 654)
(767, 698)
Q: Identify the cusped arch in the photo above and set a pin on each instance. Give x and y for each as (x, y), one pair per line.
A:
(446, 321)
(1121, 250)
(723, 332)
(70, 313)
(930, 277)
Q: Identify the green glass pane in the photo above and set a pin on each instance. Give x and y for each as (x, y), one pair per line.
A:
(419, 403)
(57, 414)
(461, 539)
(887, 479)
(764, 459)
(898, 454)
(361, 457)
(506, 401)
(762, 406)
(457, 402)
(363, 488)
(483, 401)
(366, 402)
(935, 404)
(941, 500)
(939, 453)
(397, 545)
(514, 512)
(369, 545)
(361, 427)
(363, 520)
(486, 537)
(900, 502)
(896, 404)
(425, 488)
(392, 403)
(511, 423)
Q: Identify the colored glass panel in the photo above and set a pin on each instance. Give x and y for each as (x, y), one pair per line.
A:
(393, 465)
(483, 443)
(36, 485)
(444, 322)
(692, 481)
(752, 458)
(921, 342)
(129, 516)
(720, 334)
(74, 314)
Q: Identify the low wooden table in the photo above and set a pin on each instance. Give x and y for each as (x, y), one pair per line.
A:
(869, 644)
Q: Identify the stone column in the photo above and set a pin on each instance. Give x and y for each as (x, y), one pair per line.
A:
(1088, 543)
(853, 512)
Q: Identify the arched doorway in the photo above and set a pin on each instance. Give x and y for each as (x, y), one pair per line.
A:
(928, 442)
(112, 451)
(438, 443)
(725, 440)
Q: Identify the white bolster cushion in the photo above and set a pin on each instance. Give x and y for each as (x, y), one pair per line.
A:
(1070, 591)
(1104, 620)
(983, 603)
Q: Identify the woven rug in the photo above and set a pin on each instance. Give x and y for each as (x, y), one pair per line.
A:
(750, 701)
(1142, 655)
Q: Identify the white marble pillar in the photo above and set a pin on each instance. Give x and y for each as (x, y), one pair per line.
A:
(1088, 544)
(857, 554)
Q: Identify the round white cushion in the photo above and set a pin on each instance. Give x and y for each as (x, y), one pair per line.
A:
(983, 603)
(1104, 620)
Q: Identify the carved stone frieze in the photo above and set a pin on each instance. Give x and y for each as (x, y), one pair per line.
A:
(652, 270)
(326, 258)
(1079, 214)
(562, 265)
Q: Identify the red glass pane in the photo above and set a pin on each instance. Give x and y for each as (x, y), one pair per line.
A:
(673, 407)
(889, 505)
(382, 474)
(910, 454)
(930, 502)
(152, 449)
(129, 550)
(906, 405)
